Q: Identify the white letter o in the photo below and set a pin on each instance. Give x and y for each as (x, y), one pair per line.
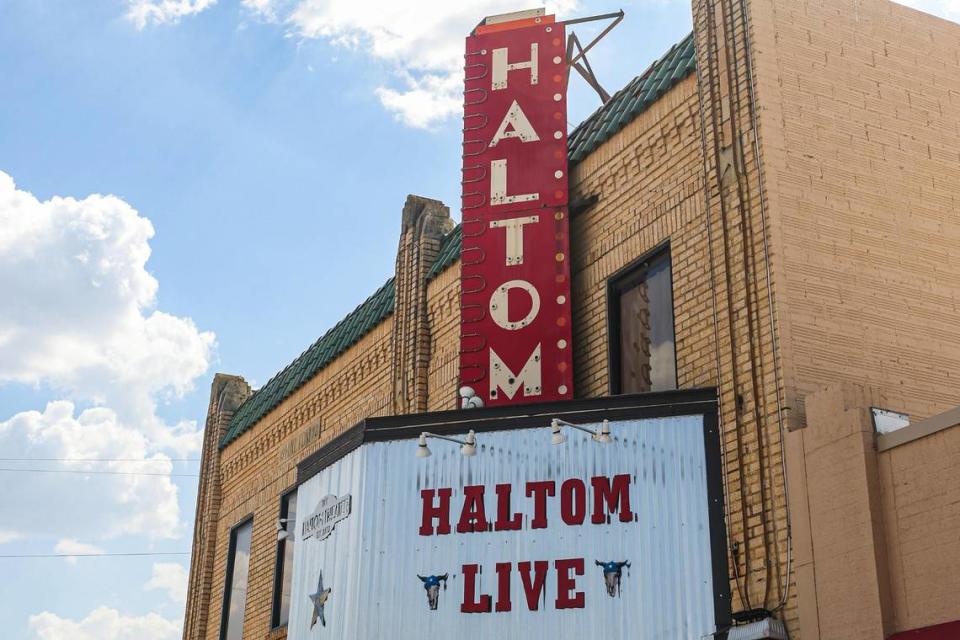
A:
(499, 306)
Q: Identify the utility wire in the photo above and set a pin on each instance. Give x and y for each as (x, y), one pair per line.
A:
(111, 473)
(94, 555)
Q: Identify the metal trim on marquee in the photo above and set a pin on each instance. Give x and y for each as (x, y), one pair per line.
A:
(515, 340)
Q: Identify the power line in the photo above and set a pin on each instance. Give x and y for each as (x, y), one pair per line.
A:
(94, 555)
(97, 460)
(111, 473)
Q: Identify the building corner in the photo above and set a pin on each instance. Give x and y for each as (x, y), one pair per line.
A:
(227, 393)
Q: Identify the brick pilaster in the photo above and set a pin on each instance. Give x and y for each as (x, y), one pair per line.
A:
(425, 221)
(737, 229)
(227, 393)
(844, 586)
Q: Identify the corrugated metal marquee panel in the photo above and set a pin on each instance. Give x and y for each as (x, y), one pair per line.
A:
(372, 559)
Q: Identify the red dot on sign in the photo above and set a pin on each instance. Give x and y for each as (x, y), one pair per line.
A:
(556, 42)
(561, 278)
(557, 78)
(558, 194)
(558, 116)
(558, 237)
(561, 366)
(557, 155)
(561, 322)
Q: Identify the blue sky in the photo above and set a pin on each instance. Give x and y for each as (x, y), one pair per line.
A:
(254, 156)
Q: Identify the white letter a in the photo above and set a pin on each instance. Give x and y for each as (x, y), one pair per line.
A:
(520, 126)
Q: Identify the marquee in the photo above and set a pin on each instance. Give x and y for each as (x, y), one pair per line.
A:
(573, 540)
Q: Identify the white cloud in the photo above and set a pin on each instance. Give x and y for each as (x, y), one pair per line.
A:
(94, 506)
(144, 12)
(423, 45)
(84, 321)
(71, 546)
(7, 535)
(426, 101)
(170, 577)
(949, 9)
(266, 9)
(104, 623)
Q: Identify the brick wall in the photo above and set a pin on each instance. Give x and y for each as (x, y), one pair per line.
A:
(832, 137)
(860, 125)
(649, 181)
(740, 334)
(257, 468)
(443, 293)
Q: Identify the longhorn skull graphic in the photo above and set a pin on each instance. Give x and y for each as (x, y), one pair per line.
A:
(432, 586)
(612, 572)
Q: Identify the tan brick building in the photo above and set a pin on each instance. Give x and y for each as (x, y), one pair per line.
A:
(792, 170)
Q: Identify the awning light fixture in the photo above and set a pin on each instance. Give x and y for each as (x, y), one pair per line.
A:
(468, 447)
(601, 435)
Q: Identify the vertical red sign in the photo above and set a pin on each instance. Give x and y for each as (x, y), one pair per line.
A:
(515, 333)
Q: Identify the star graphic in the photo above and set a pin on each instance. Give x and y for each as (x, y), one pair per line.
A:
(319, 600)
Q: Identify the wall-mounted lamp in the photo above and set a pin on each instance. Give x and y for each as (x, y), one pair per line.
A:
(282, 533)
(468, 447)
(601, 435)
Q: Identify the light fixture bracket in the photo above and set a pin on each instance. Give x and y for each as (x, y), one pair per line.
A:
(601, 435)
(468, 446)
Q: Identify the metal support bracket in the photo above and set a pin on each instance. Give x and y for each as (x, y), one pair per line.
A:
(577, 53)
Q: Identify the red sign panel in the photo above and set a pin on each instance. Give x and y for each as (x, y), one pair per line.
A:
(515, 343)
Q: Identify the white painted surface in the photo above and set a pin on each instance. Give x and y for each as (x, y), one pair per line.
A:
(372, 558)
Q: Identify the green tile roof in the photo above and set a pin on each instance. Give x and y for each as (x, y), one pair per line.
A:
(602, 125)
(449, 252)
(347, 332)
(632, 100)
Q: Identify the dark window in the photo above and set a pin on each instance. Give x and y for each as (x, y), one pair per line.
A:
(642, 353)
(235, 589)
(283, 578)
